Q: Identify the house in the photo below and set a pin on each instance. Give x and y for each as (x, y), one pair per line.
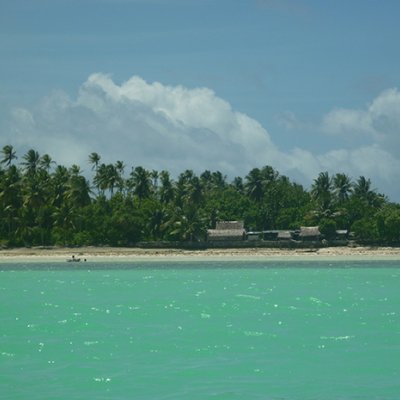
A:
(270, 235)
(253, 236)
(284, 235)
(342, 234)
(309, 233)
(227, 231)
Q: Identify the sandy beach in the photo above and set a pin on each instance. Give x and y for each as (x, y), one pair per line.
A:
(131, 254)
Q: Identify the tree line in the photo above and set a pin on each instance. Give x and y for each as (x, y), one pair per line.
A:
(43, 203)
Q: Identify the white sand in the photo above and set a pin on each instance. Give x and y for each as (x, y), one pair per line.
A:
(137, 254)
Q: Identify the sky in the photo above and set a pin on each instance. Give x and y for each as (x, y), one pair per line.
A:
(305, 86)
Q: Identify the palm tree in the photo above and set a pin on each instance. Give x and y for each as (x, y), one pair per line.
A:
(166, 190)
(64, 219)
(10, 197)
(238, 184)
(9, 155)
(342, 187)
(321, 190)
(269, 174)
(77, 191)
(218, 180)
(255, 185)
(363, 190)
(106, 178)
(141, 183)
(46, 162)
(206, 180)
(194, 192)
(112, 178)
(94, 159)
(154, 175)
(10, 185)
(75, 170)
(188, 189)
(157, 223)
(59, 182)
(362, 187)
(31, 163)
(35, 194)
(120, 168)
(100, 180)
(187, 225)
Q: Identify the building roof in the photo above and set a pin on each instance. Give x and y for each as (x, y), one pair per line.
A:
(309, 231)
(225, 232)
(284, 235)
(229, 225)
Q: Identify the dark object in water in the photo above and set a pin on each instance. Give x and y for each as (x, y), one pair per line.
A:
(73, 259)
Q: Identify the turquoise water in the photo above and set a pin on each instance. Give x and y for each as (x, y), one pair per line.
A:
(202, 330)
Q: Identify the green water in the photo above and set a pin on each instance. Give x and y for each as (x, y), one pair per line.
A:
(228, 330)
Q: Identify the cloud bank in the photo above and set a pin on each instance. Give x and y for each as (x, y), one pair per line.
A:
(176, 128)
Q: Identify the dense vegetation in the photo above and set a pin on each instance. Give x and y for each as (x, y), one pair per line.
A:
(42, 203)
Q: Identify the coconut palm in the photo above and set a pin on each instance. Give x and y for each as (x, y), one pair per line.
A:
(206, 180)
(75, 170)
(64, 219)
(106, 178)
(111, 177)
(187, 225)
(10, 196)
(31, 162)
(45, 162)
(269, 174)
(9, 155)
(78, 191)
(342, 187)
(237, 183)
(167, 192)
(218, 180)
(255, 185)
(321, 190)
(120, 168)
(193, 192)
(94, 159)
(363, 190)
(362, 187)
(189, 190)
(141, 183)
(59, 181)
(154, 175)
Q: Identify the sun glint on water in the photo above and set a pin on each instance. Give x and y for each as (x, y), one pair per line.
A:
(227, 330)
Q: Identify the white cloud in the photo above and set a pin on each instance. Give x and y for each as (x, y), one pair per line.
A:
(379, 122)
(176, 128)
(349, 122)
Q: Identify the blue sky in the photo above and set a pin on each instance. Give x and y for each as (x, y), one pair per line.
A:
(305, 86)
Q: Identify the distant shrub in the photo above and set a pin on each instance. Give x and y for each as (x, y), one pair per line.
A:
(328, 228)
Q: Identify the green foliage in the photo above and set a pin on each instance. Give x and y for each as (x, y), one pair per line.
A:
(42, 203)
(365, 229)
(327, 227)
(388, 223)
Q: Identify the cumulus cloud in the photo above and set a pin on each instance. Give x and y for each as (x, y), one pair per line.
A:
(378, 122)
(146, 124)
(176, 128)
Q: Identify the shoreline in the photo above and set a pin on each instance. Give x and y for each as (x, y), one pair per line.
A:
(91, 254)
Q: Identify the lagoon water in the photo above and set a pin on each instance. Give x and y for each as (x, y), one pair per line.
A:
(200, 330)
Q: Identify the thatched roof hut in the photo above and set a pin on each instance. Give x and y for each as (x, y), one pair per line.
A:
(227, 231)
(309, 233)
(228, 225)
(284, 235)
